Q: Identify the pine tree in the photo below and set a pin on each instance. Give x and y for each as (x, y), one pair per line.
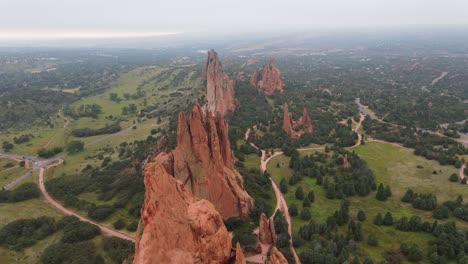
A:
(361, 216)
(306, 202)
(299, 193)
(381, 196)
(283, 186)
(331, 193)
(415, 253)
(293, 210)
(311, 196)
(319, 179)
(388, 191)
(388, 219)
(378, 220)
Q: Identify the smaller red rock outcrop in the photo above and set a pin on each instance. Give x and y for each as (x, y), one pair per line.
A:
(346, 163)
(178, 228)
(295, 128)
(219, 88)
(268, 79)
(240, 258)
(266, 230)
(276, 257)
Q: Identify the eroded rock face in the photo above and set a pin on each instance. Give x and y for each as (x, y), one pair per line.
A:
(178, 228)
(219, 88)
(265, 230)
(276, 257)
(240, 258)
(268, 79)
(203, 161)
(295, 128)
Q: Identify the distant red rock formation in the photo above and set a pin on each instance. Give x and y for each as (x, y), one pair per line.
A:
(268, 79)
(219, 88)
(177, 227)
(266, 230)
(295, 128)
(203, 161)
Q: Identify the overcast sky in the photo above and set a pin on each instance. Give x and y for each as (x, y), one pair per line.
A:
(68, 18)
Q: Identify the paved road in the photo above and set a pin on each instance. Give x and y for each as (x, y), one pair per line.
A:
(69, 212)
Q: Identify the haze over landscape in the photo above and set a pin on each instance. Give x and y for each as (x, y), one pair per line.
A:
(233, 132)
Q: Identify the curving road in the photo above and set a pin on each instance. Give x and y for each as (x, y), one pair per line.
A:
(69, 212)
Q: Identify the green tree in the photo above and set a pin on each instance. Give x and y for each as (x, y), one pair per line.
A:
(311, 196)
(74, 146)
(305, 214)
(299, 193)
(378, 219)
(306, 202)
(415, 253)
(361, 216)
(381, 195)
(293, 210)
(283, 186)
(453, 177)
(388, 219)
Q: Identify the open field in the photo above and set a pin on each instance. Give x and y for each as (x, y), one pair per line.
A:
(397, 168)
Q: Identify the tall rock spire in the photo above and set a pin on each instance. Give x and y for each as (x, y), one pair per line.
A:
(219, 88)
(295, 128)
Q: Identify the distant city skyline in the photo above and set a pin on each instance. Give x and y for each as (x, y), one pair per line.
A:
(23, 19)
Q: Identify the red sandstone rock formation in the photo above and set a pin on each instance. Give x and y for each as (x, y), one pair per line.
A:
(276, 257)
(219, 88)
(295, 128)
(346, 163)
(203, 161)
(240, 258)
(266, 230)
(178, 228)
(268, 79)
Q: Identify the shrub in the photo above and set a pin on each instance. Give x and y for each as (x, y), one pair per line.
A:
(305, 214)
(119, 224)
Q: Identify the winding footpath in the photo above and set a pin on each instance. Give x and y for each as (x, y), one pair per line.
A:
(59, 206)
(281, 203)
(43, 164)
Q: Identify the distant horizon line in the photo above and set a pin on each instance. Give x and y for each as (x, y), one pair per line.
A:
(37, 35)
(21, 35)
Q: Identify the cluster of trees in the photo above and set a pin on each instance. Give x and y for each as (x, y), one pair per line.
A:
(258, 185)
(383, 192)
(74, 146)
(242, 230)
(282, 235)
(83, 110)
(22, 138)
(7, 146)
(457, 208)
(76, 245)
(387, 220)
(50, 152)
(24, 192)
(424, 143)
(130, 109)
(120, 181)
(24, 233)
(427, 202)
(343, 182)
(88, 132)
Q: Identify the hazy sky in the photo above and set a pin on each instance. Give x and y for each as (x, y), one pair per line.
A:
(68, 18)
